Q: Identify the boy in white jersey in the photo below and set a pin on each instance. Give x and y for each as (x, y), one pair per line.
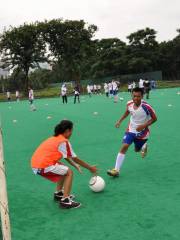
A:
(17, 96)
(106, 89)
(8, 94)
(31, 99)
(64, 93)
(89, 90)
(142, 116)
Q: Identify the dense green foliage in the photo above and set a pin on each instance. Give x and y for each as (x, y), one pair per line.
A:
(73, 54)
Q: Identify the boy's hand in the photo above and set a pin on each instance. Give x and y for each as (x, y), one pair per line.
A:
(78, 168)
(93, 169)
(117, 125)
(141, 127)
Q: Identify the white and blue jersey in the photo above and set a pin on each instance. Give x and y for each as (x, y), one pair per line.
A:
(139, 116)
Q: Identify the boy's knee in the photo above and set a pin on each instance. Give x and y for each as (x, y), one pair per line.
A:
(124, 148)
(70, 172)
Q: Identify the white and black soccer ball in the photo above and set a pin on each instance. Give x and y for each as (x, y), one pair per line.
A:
(97, 184)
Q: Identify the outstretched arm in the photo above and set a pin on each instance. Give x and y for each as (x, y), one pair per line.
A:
(69, 155)
(122, 118)
(74, 164)
(78, 161)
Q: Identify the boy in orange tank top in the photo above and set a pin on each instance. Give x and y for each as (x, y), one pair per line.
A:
(46, 163)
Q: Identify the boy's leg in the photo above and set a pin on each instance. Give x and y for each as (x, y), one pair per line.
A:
(59, 194)
(63, 176)
(144, 150)
(66, 98)
(60, 185)
(121, 156)
(66, 201)
(67, 183)
(127, 141)
(119, 161)
(141, 145)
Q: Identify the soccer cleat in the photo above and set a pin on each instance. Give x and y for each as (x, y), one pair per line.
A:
(68, 203)
(58, 196)
(113, 173)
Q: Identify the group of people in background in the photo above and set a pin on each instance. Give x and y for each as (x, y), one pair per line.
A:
(64, 94)
(17, 95)
(110, 89)
(94, 89)
(145, 85)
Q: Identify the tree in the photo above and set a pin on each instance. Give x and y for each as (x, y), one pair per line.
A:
(40, 78)
(69, 43)
(169, 58)
(23, 48)
(109, 58)
(142, 50)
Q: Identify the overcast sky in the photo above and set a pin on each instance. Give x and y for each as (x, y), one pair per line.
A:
(114, 18)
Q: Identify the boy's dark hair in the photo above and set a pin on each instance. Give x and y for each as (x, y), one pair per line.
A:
(137, 89)
(62, 127)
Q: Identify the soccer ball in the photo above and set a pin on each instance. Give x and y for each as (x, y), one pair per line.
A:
(97, 184)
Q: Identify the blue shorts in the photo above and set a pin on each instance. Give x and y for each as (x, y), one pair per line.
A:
(114, 92)
(129, 138)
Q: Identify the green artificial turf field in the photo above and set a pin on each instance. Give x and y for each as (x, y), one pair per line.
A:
(142, 204)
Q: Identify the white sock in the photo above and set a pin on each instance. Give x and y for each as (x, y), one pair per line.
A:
(144, 146)
(119, 161)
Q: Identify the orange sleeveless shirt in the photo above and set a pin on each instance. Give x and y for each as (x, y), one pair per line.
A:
(47, 153)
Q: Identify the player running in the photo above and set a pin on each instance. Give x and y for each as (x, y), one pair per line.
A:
(46, 162)
(142, 116)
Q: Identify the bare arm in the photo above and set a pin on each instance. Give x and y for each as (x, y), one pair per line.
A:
(147, 124)
(73, 164)
(122, 118)
(78, 161)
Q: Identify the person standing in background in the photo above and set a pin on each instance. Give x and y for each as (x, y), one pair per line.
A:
(133, 85)
(115, 91)
(95, 89)
(76, 94)
(8, 94)
(147, 88)
(64, 93)
(141, 84)
(89, 90)
(106, 89)
(129, 87)
(99, 89)
(110, 89)
(31, 99)
(17, 96)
